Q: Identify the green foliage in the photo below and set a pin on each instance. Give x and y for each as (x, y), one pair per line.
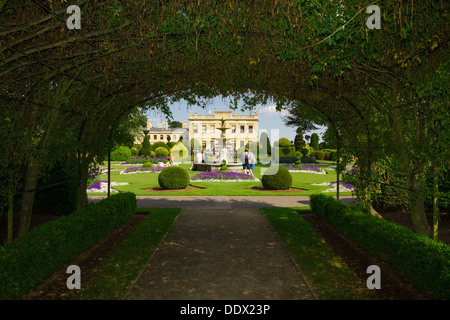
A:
(284, 142)
(315, 141)
(161, 152)
(30, 259)
(121, 153)
(265, 143)
(56, 189)
(147, 164)
(285, 151)
(277, 178)
(146, 148)
(424, 262)
(223, 166)
(159, 144)
(319, 155)
(173, 177)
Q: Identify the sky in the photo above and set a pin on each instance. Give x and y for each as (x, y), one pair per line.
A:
(270, 119)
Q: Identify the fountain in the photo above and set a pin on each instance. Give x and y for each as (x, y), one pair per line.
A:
(224, 155)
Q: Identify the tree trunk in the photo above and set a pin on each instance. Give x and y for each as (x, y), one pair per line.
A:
(417, 208)
(33, 170)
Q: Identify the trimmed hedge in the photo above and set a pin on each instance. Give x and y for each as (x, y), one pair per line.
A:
(173, 177)
(34, 257)
(420, 260)
(277, 178)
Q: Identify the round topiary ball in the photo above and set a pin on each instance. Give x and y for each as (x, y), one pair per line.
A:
(173, 177)
(161, 152)
(147, 164)
(277, 178)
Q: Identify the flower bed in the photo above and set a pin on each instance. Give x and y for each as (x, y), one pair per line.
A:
(343, 186)
(211, 176)
(102, 186)
(141, 170)
(307, 169)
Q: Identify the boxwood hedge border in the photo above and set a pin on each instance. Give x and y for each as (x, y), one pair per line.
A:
(34, 257)
(422, 261)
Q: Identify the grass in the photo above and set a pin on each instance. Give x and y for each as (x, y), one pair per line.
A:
(328, 273)
(140, 181)
(117, 271)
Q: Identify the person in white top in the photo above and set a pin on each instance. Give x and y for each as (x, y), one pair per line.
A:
(248, 162)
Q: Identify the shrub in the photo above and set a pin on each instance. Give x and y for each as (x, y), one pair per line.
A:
(277, 178)
(423, 261)
(284, 142)
(223, 167)
(173, 177)
(319, 155)
(147, 164)
(161, 152)
(146, 148)
(308, 160)
(30, 259)
(284, 152)
(120, 154)
(159, 144)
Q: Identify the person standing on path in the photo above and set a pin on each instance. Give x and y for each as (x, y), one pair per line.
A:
(248, 162)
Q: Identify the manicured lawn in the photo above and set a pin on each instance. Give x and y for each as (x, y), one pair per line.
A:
(140, 181)
(328, 273)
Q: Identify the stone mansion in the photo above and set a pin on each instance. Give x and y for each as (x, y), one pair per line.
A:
(207, 130)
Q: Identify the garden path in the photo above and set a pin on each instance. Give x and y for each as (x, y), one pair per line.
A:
(221, 254)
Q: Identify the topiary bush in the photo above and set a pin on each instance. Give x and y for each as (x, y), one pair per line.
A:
(147, 164)
(173, 177)
(277, 178)
(161, 152)
(284, 142)
(223, 167)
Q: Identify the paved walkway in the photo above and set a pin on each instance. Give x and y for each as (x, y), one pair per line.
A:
(221, 248)
(221, 254)
(222, 202)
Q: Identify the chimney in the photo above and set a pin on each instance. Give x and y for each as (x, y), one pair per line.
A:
(184, 124)
(149, 124)
(167, 125)
(160, 124)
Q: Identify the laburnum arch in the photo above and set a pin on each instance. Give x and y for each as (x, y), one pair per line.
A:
(315, 55)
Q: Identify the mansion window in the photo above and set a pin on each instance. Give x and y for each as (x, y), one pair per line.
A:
(155, 137)
(242, 129)
(161, 137)
(233, 129)
(204, 129)
(250, 129)
(212, 128)
(242, 144)
(195, 129)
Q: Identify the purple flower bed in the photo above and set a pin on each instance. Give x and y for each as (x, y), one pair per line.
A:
(95, 185)
(211, 175)
(135, 169)
(343, 184)
(310, 168)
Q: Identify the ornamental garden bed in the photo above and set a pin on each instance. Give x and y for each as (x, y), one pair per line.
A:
(211, 176)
